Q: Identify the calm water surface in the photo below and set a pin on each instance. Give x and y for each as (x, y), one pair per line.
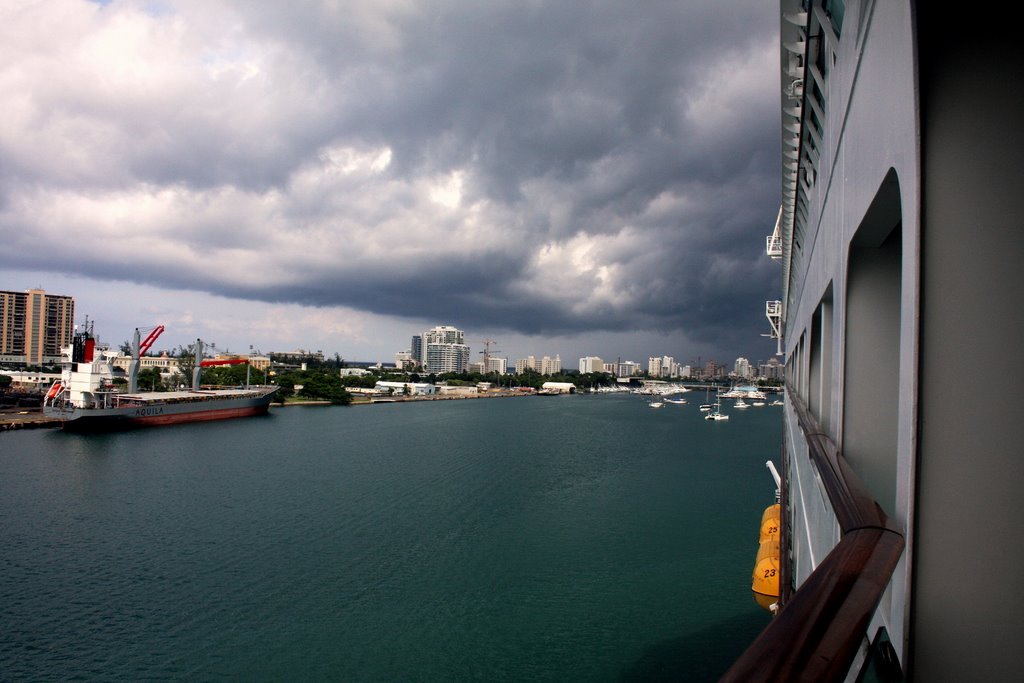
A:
(585, 538)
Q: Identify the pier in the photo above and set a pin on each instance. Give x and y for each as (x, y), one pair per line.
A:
(22, 418)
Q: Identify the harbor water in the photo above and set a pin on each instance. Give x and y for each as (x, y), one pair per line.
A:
(576, 538)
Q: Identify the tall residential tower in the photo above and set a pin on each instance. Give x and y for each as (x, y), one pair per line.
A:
(34, 326)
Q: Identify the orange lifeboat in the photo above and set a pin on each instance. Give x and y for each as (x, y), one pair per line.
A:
(54, 390)
(765, 580)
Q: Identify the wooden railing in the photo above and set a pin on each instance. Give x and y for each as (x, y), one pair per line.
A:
(819, 629)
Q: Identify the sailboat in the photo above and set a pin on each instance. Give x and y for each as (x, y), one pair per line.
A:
(706, 407)
(716, 414)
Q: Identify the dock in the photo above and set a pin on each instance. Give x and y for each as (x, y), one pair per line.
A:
(25, 418)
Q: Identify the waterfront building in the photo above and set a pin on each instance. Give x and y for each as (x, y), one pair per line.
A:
(165, 364)
(772, 369)
(404, 360)
(627, 368)
(458, 390)
(545, 366)
(404, 388)
(550, 366)
(297, 356)
(590, 364)
(416, 350)
(444, 334)
(31, 381)
(34, 326)
(444, 350)
(559, 387)
(742, 368)
(442, 357)
(713, 370)
(664, 366)
(498, 365)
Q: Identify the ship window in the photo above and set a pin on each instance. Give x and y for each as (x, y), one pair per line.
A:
(819, 398)
(871, 372)
(836, 11)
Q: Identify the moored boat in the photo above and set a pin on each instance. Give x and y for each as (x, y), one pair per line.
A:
(86, 397)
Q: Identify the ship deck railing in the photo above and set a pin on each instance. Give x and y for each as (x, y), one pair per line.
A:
(820, 628)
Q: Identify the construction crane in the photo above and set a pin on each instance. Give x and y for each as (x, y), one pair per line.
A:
(487, 353)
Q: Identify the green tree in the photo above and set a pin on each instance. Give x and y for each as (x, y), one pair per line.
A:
(149, 380)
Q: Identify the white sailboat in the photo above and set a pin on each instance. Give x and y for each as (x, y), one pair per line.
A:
(716, 414)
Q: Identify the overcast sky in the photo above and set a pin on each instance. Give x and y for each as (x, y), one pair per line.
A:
(579, 178)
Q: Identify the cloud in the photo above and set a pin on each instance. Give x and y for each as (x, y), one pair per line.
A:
(545, 168)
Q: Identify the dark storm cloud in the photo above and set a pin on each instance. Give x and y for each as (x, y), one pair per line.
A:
(541, 167)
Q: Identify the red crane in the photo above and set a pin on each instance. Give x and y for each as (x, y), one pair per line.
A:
(144, 346)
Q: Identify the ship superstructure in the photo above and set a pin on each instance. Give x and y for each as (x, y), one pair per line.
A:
(900, 247)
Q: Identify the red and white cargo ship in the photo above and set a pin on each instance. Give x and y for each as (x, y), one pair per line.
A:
(86, 399)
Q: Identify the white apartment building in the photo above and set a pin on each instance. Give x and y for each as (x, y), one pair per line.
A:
(443, 349)
(498, 365)
(592, 364)
(444, 334)
(404, 360)
(550, 366)
(665, 366)
(442, 357)
(627, 368)
(524, 364)
(545, 366)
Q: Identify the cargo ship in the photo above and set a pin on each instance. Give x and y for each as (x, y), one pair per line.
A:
(86, 397)
(900, 248)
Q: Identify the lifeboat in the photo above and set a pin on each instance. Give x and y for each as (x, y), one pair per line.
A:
(54, 390)
(765, 579)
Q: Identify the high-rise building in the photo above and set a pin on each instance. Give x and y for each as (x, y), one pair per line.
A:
(444, 334)
(524, 364)
(416, 350)
(742, 368)
(495, 364)
(442, 349)
(545, 366)
(34, 326)
(550, 366)
(773, 369)
(591, 364)
(441, 357)
(627, 368)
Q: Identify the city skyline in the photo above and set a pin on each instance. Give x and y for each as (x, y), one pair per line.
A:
(285, 177)
(169, 342)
